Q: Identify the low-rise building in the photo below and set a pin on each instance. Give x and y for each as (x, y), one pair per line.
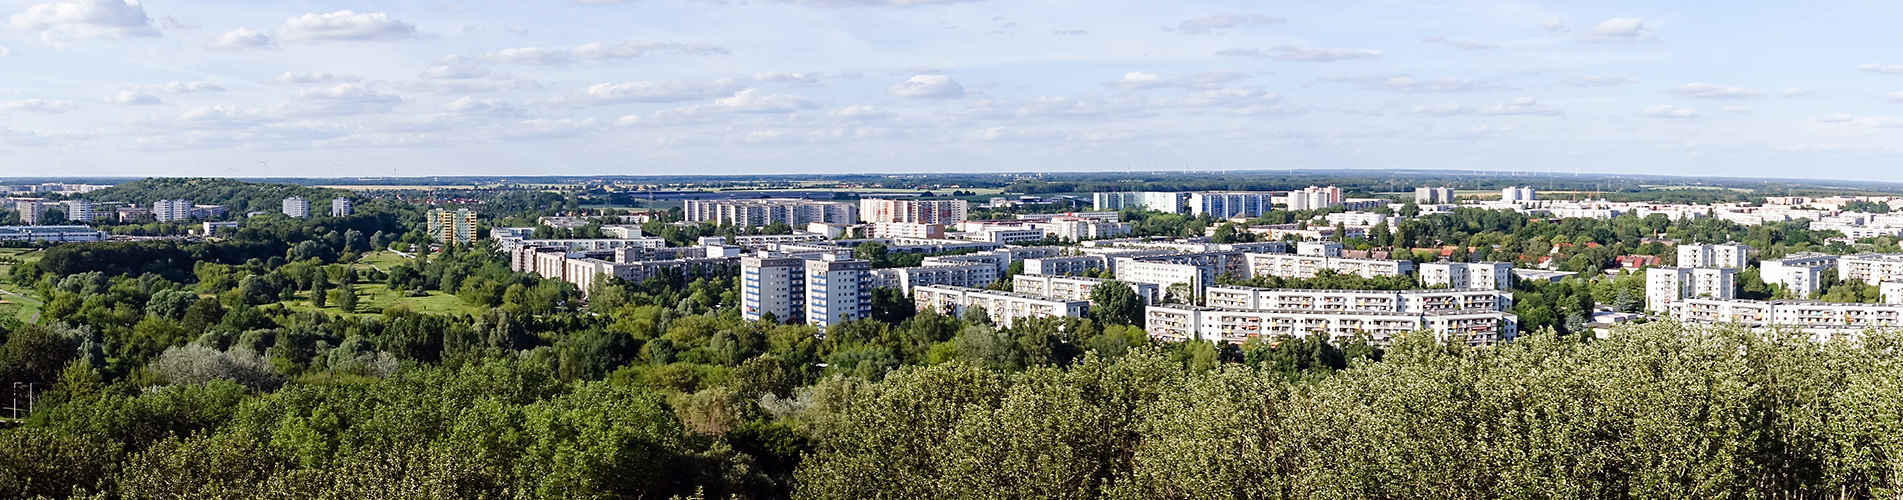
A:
(1283, 265)
(1076, 264)
(1824, 321)
(1435, 300)
(1799, 274)
(1004, 308)
(906, 279)
(1460, 275)
(51, 234)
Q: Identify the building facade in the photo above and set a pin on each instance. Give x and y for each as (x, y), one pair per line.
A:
(1284, 265)
(1798, 274)
(340, 207)
(1463, 275)
(1004, 308)
(451, 226)
(795, 212)
(1180, 323)
(1077, 287)
(837, 289)
(775, 285)
(172, 210)
(297, 207)
(1732, 256)
(946, 212)
(1226, 205)
(1667, 285)
(1871, 268)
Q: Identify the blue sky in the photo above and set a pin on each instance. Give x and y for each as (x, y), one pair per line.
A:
(541, 87)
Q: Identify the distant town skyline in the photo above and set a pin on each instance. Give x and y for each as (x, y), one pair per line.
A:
(670, 87)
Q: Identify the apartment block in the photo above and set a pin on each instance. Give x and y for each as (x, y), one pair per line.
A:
(1226, 205)
(1356, 218)
(1517, 194)
(1306, 266)
(1196, 270)
(1824, 321)
(1004, 308)
(1060, 266)
(1433, 195)
(772, 284)
(1179, 323)
(1799, 273)
(1077, 287)
(32, 210)
(1314, 198)
(1318, 248)
(297, 207)
(1667, 285)
(1872, 268)
(1166, 202)
(80, 211)
(907, 279)
(1462, 275)
(340, 207)
(452, 226)
(172, 210)
(1732, 256)
(837, 289)
(52, 234)
(1415, 301)
(908, 230)
(916, 211)
(795, 212)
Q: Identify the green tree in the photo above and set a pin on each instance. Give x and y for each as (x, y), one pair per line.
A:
(1113, 302)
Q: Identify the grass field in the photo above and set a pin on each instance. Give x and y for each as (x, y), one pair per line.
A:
(18, 301)
(383, 260)
(374, 298)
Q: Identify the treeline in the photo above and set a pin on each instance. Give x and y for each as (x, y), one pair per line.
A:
(236, 195)
(1654, 411)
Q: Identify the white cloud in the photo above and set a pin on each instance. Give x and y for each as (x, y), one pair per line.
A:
(5, 52)
(345, 25)
(1620, 30)
(518, 29)
(757, 101)
(1881, 68)
(1412, 85)
(1553, 24)
(1810, 148)
(1667, 111)
(849, 3)
(241, 40)
(1735, 109)
(453, 72)
(447, 87)
(37, 105)
(317, 77)
(83, 19)
(1242, 52)
(927, 87)
(1796, 92)
(190, 87)
(1248, 101)
(1709, 91)
(344, 99)
(132, 98)
(687, 115)
(1596, 81)
(173, 24)
(1318, 54)
(1865, 122)
(1894, 96)
(1206, 25)
(858, 113)
(807, 78)
(1087, 107)
(472, 105)
(646, 91)
(1069, 32)
(1138, 80)
(1465, 44)
(551, 129)
(1518, 106)
(538, 56)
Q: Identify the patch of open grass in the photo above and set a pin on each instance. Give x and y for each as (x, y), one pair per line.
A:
(374, 298)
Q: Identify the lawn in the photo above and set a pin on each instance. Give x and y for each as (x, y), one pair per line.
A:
(374, 298)
(18, 301)
(383, 260)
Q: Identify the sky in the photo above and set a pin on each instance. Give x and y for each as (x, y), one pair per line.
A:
(653, 87)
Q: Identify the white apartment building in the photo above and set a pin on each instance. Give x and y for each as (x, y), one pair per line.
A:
(1060, 266)
(771, 284)
(1226, 205)
(1004, 308)
(583, 272)
(1077, 287)
(1179, 323)
(1797, 273)
(340, 207)
(837, 289)
(1824, 321)
(52, 234)
(1166, 202)
(1195, 270)
(1729, 255)
(1080, 228)
(1871, 268)
(297, 207)
(1007, 234)
(907, 230)
(1667, 285)
(919, 211)
(1284, 265)
(32, 210)
(1356, 219)
(1518, 194)
(1314, 198)
(795, 212)
(1462, 275)
(1433, 195)
(172, 210)
(1892, 292)
(79, 211)
(586, 245)
(1442, 300)
(906, 279)
(1318, 248)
